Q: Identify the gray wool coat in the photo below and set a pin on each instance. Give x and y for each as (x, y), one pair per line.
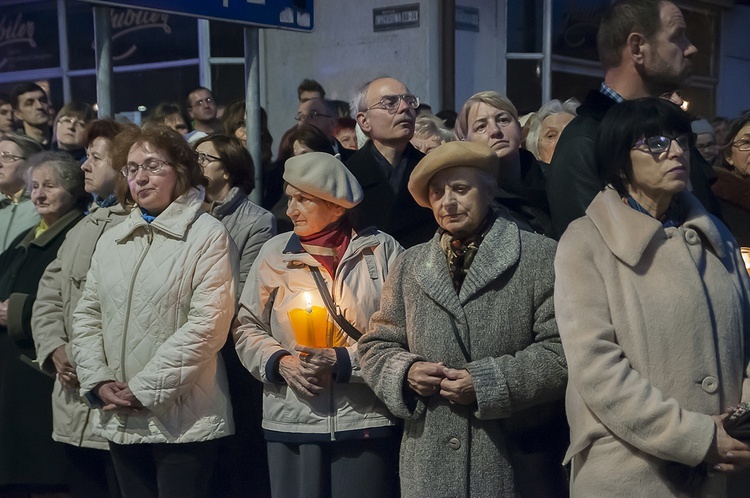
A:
(505, 316)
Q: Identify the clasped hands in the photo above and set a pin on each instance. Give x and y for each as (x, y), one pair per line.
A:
(427, 378)
(727, 454)
(308, 373)
(118, 397)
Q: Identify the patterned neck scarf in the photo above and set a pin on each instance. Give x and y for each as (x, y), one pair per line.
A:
(672, 218)
(328, 245)
(460, 253)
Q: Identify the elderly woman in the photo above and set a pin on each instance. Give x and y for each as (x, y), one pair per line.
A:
(429, 132)
(546, 125)
(732, 186)
(17, 213)
(652, 304)
(465, 346)
(327, 433)
(91, 472)
(155, 311)
(491, 119)
(28, 456)
(71, 120)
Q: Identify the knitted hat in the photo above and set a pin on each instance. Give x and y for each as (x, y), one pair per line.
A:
(450, 155)
(325, 177)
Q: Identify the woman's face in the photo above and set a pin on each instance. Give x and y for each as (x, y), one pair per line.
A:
(241, 131)
(659, 176)
(69, 132)
(215, 171)
(50, 198)
(11, 172)
(310, 214)
(348, 138)
(496, 128)
(152, 191)
(706, 145)
(177, 123)
(425, 143)
(740, 159)
(549, 134)
(299, 148)
(100, 177)
(459, 202)
(6, 118)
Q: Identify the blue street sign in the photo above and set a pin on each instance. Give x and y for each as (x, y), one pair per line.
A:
(281, 14)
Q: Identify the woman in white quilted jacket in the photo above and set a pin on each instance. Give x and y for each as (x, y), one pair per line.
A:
(156, 309)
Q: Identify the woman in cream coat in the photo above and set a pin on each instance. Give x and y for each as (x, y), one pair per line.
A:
(156, 309)
(652, 303)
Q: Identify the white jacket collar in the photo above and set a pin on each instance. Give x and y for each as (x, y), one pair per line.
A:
(173, 221)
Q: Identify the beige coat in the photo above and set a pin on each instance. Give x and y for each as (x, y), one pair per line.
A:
(654, 323)
(59, 290)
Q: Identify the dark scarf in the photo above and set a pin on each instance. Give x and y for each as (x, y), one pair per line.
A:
(328, 245)
(673, 217)
(460, 253)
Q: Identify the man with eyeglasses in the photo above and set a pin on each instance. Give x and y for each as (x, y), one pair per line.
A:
(645, 52)
(201, 106)
(31, 109)
(386, 111)
(318, 113)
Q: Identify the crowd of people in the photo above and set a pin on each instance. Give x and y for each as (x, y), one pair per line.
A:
(472, 303)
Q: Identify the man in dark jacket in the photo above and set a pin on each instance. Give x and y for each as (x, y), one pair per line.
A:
(645, 53)
(386, 112)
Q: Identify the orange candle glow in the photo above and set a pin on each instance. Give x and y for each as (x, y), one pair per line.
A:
(310, 325)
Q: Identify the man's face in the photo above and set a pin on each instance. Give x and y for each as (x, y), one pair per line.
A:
(6, 118)
(382, 125)
(314, 112)
(202, 106)
(667, 62)
(33, 108)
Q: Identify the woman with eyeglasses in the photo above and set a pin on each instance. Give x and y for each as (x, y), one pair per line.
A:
(652, 302)
(732, 186)
(229, 169)
(155, 311)
(71, 120)
(17, 213)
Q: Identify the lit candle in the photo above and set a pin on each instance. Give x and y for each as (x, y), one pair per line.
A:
(308, 301)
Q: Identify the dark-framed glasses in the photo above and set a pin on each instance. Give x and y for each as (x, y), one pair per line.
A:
(742, 144)
(204, 158)
(151, 166)
(659, 144)
(71, 121)
(313, 115)
(391, 102)
(7, 157)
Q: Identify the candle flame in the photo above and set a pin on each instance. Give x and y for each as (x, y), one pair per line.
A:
(308, 301)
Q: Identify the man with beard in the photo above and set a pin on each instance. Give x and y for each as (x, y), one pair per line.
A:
(31, 108)
(386, 110)
(645, 53)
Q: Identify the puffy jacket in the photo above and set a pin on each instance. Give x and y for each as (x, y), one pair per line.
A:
(15, 218)
(250, 226)
(156, 309)
(59, 291)
(282, 275)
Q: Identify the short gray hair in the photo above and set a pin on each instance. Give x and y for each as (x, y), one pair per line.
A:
(534, 124)
(67, 170)
(430, 125)
(358, 103)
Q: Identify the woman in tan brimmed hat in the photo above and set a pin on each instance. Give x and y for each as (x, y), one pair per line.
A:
(327, 433)
(465, 346)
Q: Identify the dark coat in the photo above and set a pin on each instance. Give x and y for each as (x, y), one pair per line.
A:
(27, 453)
(733, 193)
(395, 213)
(504, 443)
(573, 179)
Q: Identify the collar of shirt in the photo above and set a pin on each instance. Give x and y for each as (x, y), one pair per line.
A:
(604, 89)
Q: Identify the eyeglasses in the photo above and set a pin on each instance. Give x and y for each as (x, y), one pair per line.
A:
(151, 166)
(743, 145)
(659, 144)
(73, 122)
(207, 101)
(204, 158)
(391, 102)
(313, 115)
(7, 157)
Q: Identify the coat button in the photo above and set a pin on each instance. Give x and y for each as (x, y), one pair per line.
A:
(692, 238)
(454, 443)
(710, 384)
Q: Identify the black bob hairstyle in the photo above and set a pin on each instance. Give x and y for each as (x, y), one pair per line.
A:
(625, 124)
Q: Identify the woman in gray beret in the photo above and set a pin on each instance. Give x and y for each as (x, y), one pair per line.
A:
(465, 347)
(313, 293)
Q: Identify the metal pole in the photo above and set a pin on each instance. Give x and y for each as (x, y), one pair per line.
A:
(62, 28)
(103, 42)
(448, 54)
(204, 53)
(252, 107)
(547, 51)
